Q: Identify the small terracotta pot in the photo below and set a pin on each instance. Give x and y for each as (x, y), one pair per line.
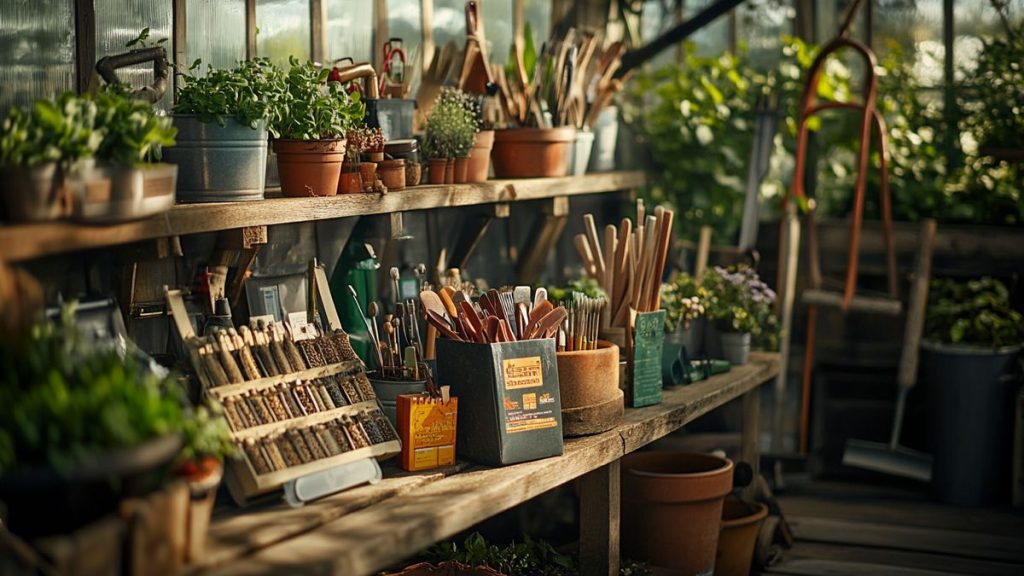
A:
(309, 167)
(368, 172)
(461, 166)
(672, 508)
(392, 173)
(351, 181)
(480, 157)
(741, 525)
(532, 152)
(436, 171)
(449, 171)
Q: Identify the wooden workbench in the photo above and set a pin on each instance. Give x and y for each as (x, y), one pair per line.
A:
(373, 527)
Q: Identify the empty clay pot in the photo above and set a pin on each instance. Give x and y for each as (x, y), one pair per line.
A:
(350, 180)
(480, 157)
(309, 167)
(368, 172)
(672, 509)
(589, 390)
(741, 524)
(461, 166)
(392, 173)
(435, 173)
(532, 152)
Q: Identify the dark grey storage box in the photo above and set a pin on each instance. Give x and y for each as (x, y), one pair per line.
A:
(509, 405)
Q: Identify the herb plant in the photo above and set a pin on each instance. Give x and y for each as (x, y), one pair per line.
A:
(62, 400)
(975, 313)
(683, 301)
(62, 130)
(249, 93)
(134, 133)
(452, 125)
(314, 109)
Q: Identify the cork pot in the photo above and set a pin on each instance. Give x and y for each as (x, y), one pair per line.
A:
(672, 509)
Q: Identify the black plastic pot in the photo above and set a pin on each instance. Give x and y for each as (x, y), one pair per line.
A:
(43, 501)
(971, 391)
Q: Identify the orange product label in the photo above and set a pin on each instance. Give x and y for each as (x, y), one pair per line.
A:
(427, 429)
(522, 373)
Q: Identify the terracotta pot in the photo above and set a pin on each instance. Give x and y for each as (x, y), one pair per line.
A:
(350, 182)
(480, 157)
(588, 382)
(449, 171)
(741, 525)
(461, 167)
(672, 508)
(532, 152)
(446, 568)
(436, 171)
(368, 172)
(392, 173)
(309, 167)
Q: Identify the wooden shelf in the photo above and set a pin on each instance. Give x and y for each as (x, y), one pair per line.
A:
(28, 241)
(372, 527)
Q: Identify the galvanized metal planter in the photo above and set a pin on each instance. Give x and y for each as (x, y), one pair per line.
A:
(121, 193)
(510, 407)
(219, 163)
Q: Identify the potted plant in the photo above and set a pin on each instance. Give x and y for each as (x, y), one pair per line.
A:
(740, 307)
(312, 119)
(129, 156)
(222, 119)
(996, 92)
(83, 427)
(207, 442)
(683, 301)
(40, 149)
(450, 131)
(972, 342)
(363, 157)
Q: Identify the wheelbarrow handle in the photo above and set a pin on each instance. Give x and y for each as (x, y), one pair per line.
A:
(108, 65)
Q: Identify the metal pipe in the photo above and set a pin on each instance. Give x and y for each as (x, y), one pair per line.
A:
(361, 70)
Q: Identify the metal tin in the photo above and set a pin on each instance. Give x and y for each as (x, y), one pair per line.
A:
(219, 163)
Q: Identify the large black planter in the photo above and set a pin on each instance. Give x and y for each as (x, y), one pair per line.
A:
(971, 391)
(43, 501)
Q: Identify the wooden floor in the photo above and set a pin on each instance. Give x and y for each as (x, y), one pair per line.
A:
(846, 529)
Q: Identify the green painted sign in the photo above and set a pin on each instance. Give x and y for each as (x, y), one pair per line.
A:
(647, 343)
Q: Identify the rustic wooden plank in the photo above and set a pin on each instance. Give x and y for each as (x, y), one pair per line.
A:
(27, 241)
(901, 559)
(684, 404)
(378, 536)
(815, 567)
(941, 541)
(236, 532)
(599, 521)
(898, 510)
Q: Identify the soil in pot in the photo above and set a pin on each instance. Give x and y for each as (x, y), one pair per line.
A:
(741, 525)
(971, 401)
(435, 172)
(480, 157)
(672, 508)
(461, 168)
(309, 167)
(532, 152)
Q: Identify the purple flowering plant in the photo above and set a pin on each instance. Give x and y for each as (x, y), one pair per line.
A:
(739, 301)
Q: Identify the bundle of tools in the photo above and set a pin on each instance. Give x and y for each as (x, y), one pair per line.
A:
(567, 84)
(497, 316)
(580, 329)
(629, 264)
(268, 349)
(399, 352)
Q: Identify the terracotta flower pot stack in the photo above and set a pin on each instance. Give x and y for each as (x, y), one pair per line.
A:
(309, 167)
(672, 509)
(532, 152)
(588, 382)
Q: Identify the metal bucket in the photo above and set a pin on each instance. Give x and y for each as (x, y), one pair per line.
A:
(123, 193)
(388, 391)
(219, 163)
(33, 194)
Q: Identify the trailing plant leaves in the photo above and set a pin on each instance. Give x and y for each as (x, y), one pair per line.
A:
(976, 312)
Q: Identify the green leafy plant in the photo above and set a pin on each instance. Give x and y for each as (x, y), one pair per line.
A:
(313, 108)
(739, 301)
(207, 435)
(133, 132)
(62, 400)
(683, 300)
(586, 286)
(996, 91)
(452, 125)
(62, 130)
(249, 93)
(976, 313)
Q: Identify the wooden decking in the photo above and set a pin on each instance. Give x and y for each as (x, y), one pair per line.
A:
(845, 529)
